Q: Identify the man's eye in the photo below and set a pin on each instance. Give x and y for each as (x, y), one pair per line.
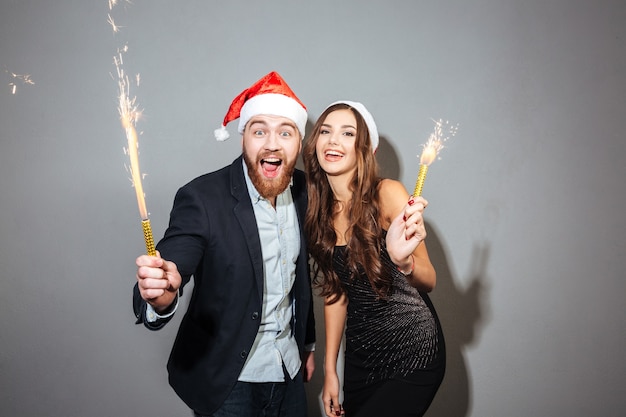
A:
(258, 133)
(285, 134)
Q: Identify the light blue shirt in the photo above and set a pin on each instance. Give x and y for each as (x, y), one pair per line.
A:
(275, 343)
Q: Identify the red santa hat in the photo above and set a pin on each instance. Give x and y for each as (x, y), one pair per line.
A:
(270, 95)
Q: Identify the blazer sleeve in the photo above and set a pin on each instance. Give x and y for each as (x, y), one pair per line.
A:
(140, 306)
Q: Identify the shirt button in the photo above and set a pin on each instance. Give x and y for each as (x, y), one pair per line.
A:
(255, 315)
(243, 354)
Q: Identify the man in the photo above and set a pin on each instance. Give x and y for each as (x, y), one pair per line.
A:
(240, 349)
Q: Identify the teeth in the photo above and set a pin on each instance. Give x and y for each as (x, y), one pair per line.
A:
(333, 153)
(272, 161)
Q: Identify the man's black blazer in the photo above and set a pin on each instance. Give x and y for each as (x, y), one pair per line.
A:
(213, 236)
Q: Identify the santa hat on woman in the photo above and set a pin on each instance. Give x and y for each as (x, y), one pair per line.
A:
(271, 96)
(367, 116)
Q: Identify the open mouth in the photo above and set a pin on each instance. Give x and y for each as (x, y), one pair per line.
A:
(332, 155)
(271, 166)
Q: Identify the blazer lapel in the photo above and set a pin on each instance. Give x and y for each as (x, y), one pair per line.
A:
(244, 213)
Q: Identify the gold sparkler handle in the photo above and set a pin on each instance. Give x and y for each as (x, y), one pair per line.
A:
(421, 176)
(147, 235)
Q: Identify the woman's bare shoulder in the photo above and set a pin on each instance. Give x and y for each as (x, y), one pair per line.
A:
(392, 189)
(393, 198)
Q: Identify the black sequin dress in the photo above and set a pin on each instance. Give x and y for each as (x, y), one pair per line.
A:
(393, 339)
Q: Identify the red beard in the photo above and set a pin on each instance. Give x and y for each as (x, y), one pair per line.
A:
(269, 187)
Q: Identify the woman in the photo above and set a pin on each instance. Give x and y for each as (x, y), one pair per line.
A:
(366, 236)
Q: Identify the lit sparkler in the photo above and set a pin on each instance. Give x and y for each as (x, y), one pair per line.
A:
(129, 114)
(441, 133)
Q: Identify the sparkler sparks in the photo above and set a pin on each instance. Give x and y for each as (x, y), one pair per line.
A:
(435, 143)
(111, 22)
(113, 3)
(129, 114)
(24, 78)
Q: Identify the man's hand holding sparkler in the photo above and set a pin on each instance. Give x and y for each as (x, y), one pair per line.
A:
(158, 281)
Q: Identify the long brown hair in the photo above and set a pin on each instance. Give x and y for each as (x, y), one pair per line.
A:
(364, 231)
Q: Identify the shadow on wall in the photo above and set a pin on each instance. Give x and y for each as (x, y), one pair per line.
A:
(462, 312)
(388, 162)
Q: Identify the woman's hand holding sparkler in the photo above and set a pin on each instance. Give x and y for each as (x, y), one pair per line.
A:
(404, 237)
(158, 281)
(406, 232)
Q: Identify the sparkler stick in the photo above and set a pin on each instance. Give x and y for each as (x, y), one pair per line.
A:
(431, 149)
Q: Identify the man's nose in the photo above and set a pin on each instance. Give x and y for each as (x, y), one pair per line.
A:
(272, 141)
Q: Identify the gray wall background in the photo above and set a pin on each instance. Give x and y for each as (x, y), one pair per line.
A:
(526, 208)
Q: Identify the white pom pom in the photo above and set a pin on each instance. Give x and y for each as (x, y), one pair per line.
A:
(221, 134)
